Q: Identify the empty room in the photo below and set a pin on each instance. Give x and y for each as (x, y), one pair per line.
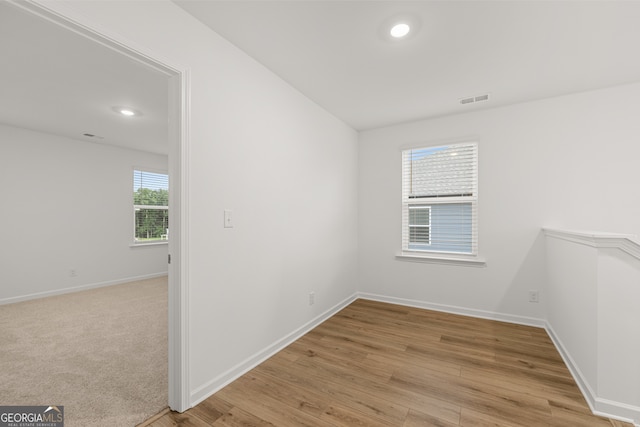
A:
(379, 212)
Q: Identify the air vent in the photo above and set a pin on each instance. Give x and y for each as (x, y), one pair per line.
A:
(474, 99)
(90, 135)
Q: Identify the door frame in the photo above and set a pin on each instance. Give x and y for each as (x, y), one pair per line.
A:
(178, 136)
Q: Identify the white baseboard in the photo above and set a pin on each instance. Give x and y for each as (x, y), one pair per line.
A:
(20, 298)
(599, 406)
(579, 378)
(201, 393)
(610, 409)
(509, 318)
(602, 407)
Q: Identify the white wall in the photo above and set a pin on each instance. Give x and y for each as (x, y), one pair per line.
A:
(286, 168)
(619, 328)
(593, 316)
(67, 205)
(568, 162)
(572, 306)
(289, 172)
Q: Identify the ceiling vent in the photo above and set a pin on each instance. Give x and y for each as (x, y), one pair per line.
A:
(474, 99)
(90, 135)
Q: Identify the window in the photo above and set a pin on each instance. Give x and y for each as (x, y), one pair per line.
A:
(150, 206)
(439, 199)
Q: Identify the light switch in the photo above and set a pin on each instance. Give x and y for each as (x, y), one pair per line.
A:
(228, 218)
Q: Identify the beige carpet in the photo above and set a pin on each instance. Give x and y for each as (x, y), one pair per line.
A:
(100, 353)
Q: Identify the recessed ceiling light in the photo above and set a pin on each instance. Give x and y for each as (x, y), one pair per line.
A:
(400, 30)
(126, 111)
(399, 27)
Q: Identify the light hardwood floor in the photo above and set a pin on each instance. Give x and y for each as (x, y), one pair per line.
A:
(378, 364)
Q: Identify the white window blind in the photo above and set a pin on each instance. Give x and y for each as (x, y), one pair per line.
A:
(150, 206)
(439, 199)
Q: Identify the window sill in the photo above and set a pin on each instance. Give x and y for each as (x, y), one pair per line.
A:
(140, 245)
(449, 259)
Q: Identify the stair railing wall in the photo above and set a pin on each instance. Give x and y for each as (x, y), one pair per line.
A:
(593, 315)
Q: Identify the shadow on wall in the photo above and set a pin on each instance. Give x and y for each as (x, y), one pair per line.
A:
(530, 276)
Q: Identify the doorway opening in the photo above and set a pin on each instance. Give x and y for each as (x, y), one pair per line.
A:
(178, 93)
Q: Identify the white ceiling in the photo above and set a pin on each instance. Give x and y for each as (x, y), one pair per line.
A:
(59, 82)
(337, 52)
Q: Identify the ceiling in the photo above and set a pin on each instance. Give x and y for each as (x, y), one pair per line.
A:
(59, 82)
(338, 53)
(335, 52)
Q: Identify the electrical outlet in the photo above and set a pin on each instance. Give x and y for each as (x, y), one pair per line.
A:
(312, 298)
(228, 218)
(73, 273)
(534, 296)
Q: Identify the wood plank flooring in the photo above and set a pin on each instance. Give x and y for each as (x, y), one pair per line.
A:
(378, 364)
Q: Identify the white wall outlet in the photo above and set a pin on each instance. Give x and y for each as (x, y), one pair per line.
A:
(312, 298)
(73, 273)
(534, 296)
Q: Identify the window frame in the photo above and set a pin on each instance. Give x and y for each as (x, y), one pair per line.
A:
(411, 250)
(136, 208)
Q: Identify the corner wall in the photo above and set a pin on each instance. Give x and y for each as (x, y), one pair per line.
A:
(284, 166)
(67, 205)
(593, 316)
(569, 161)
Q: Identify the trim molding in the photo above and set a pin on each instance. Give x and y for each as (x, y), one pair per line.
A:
(482, 314)
(463, 261)
(179, 160)
(211, 387)
(206, 390)
(625, 242)
(629, 244)
(86, 287)
(599, 406)
(580, 380)
(66, 15)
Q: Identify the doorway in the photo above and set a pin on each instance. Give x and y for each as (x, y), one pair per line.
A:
(178, 83)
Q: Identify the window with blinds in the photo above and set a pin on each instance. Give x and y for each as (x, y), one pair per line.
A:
(150, 206)
(439, 199)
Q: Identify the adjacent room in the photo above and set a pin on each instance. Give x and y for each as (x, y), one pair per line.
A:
(84, 286)
(381, 212)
